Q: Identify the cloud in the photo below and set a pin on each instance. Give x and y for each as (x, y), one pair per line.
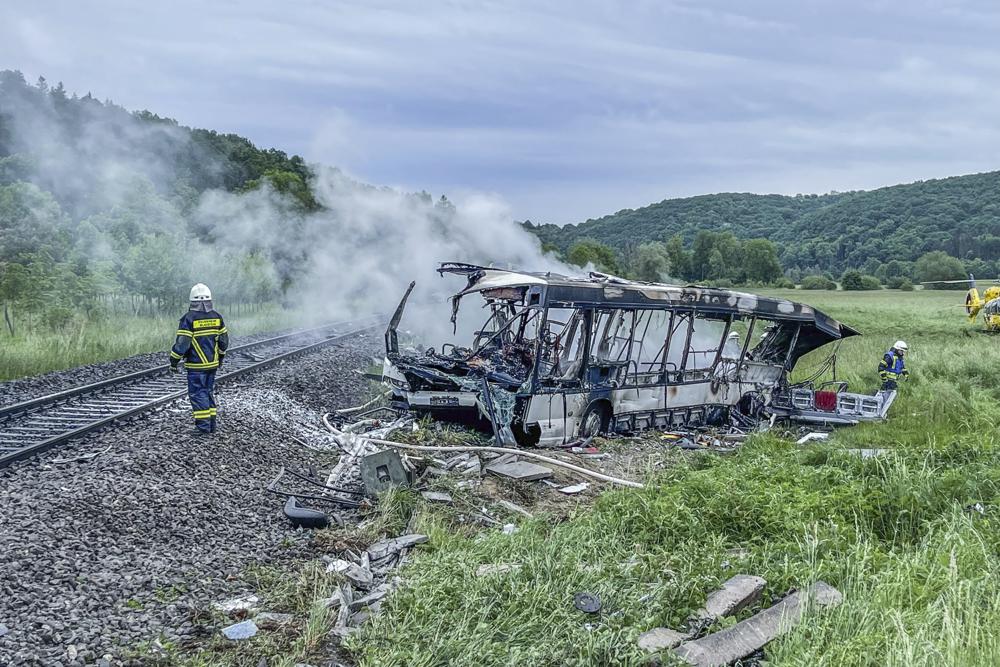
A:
(566, 109)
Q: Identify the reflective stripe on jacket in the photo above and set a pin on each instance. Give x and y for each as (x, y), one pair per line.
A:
(202, 340)
(891, 366)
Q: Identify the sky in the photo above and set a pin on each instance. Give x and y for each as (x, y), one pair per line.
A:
(566, 110)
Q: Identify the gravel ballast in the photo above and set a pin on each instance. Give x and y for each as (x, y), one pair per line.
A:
(135, 545)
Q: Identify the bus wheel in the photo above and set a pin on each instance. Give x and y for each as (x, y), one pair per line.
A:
(595, 420)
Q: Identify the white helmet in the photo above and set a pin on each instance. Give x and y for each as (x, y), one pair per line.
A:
(900, 345)
(201, 293)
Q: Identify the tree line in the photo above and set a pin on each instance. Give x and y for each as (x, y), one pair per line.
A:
(719, 259)
(823, 234)
(716, 258)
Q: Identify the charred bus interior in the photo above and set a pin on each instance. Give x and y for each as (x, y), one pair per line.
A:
(560, 358)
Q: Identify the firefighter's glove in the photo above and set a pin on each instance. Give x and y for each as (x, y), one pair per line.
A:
(174, 368)
(905, 373)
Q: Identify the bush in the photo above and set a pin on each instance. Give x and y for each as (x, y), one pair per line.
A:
(900, 283)
(818, 282)
(784, 283)
(938, 266)
(856, 281)
(57, 318)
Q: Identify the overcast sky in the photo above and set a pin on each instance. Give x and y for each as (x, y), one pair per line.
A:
(567, 110)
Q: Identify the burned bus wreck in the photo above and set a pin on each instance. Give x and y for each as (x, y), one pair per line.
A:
(561, 358)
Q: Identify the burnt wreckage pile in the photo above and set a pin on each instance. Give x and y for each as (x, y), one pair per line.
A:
(562, 358)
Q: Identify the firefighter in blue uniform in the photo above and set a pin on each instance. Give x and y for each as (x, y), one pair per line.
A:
(892, 367)
(201, 344)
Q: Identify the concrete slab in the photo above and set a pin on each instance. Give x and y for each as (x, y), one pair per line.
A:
(723, 647)
(357, 575)
(393, 546)
(736, 594)
(520, 470)
(660, 639)
(436, 497)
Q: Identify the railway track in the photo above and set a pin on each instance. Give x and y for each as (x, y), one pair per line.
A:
(35, 426)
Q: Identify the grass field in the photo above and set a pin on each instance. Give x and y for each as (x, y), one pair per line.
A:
(919, 570)
(87, 340)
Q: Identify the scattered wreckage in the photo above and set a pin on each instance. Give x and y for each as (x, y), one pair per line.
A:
(561, 358)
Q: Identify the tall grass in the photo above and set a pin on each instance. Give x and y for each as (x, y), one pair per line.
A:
(90, 339)
(899, 534)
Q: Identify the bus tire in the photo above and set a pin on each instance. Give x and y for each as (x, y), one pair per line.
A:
(595, 420)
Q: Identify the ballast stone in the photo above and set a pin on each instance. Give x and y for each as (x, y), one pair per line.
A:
(242, 630)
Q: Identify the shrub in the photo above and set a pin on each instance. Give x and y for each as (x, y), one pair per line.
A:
(900, 283)
(784, 283)
(856, 281)
(818, 282)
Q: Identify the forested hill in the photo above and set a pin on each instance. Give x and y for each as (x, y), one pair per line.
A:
(816, 233)
(77, 148)
(98, 203)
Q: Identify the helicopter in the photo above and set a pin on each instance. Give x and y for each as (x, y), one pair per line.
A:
(988, 303)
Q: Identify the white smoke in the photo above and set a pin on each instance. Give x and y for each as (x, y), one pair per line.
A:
(120, 178)
(361, 250)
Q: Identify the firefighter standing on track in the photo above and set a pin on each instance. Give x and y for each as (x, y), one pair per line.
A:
(892, 366)
(201, 344)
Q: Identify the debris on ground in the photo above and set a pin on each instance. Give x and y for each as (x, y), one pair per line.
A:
(812, 435)
(752, 634)
(391, 547)
(516, 509)
(241, 630)
(269, 620)
(238, 606)
(520, 470)
(437, 497)
(586, 602)
(868, 453)
(661, 639)
(357, 575)
(736, 594)
(490, 569)
(304, 517)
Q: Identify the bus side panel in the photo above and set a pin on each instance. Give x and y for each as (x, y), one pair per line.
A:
(557, 415)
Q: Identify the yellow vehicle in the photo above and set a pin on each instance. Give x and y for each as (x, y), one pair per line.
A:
(988, 303)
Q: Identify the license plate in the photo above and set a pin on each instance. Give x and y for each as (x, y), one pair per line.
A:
(444, 400)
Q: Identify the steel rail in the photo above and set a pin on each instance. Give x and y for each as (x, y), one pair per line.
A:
(85, 409)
